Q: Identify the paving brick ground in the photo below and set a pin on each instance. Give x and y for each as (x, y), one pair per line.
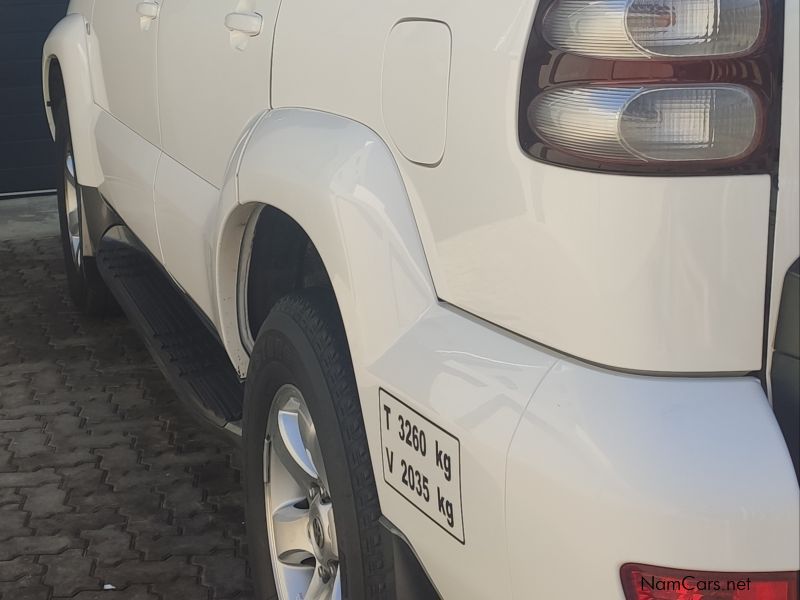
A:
(105, 477)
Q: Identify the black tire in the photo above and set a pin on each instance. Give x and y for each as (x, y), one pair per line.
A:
(87, 289)
(302, 342)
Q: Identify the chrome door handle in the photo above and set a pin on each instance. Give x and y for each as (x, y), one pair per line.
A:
(148, 10)
(246, 23)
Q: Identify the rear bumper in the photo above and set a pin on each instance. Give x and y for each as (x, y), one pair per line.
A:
(570, 471)
(608, 468)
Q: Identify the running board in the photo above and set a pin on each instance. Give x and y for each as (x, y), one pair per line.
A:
(184, 347)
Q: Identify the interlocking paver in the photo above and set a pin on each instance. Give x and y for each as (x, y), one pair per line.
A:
(219, 571)
(49, 457)
(9, 496)
(12, 570)
(105, 477)
(147, 571)
(135, 592)
(83, 479)
(12, 521)
(26, 443)
(68, 573)
(45, 500)
(34, 546)
(16, 391)
(171, 545)
(5, 461)
(25, 479)
(24, 590)
(19, 424)
(35, 409)
(73, 524)
(185, 587)
(110, 545)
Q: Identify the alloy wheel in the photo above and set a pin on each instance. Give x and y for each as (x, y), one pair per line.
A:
(300, 516)
(72, 200)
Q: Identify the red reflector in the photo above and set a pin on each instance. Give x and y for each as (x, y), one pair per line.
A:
(645, 582)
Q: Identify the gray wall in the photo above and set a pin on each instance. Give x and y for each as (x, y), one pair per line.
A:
(26, 150)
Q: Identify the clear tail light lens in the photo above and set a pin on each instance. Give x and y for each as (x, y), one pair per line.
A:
(654, 29)
(680, 87)
(646, 582)
(694, 28)
(647, 123)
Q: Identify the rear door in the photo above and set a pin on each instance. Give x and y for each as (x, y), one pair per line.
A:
(128, 133)
(214, 62)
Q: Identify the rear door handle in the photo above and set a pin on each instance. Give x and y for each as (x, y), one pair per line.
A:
(148, 10)
(246, 23)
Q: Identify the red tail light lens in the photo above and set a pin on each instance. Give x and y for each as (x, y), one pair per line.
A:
(646, 582)
(654, 86)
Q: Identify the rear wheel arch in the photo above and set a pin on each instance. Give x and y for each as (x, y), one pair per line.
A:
(317, 200)
(282, 259)
(338, 180)
(279, 260)
(263, 255)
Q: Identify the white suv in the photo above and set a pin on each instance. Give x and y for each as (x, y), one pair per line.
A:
(501, 296)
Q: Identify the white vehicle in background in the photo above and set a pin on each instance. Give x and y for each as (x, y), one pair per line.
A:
(501, 296)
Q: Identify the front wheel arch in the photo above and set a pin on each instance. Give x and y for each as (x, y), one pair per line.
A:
(66, 49)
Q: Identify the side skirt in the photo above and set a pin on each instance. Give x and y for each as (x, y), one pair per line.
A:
(183, 346)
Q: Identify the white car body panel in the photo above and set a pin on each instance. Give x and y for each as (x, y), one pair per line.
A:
(568, 470)
(655, 283)
(129, 164)
(339, 180)
(787, 215)
(187, 202)
(201, 73)
(601, 466)
(127, 45)
(352, 204)
(475, 382)
(675, 472)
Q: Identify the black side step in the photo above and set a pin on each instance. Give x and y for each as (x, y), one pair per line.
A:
(185, 349)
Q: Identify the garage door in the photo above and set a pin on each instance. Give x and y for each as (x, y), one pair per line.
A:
(26, 150)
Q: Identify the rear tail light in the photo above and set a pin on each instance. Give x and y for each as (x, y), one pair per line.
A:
(654, 86)
(645, 582)
(636, 29)
(649, 123)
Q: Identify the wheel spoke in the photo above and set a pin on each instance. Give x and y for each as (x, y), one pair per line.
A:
(73, 221)
(337, 585)
(291, 450)
(325, 515)
(72, 202)
(296, 581)
(308, 434)
(292, 544)
(75, 243)
(302, 530)
(319, 589)
(69, 171)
